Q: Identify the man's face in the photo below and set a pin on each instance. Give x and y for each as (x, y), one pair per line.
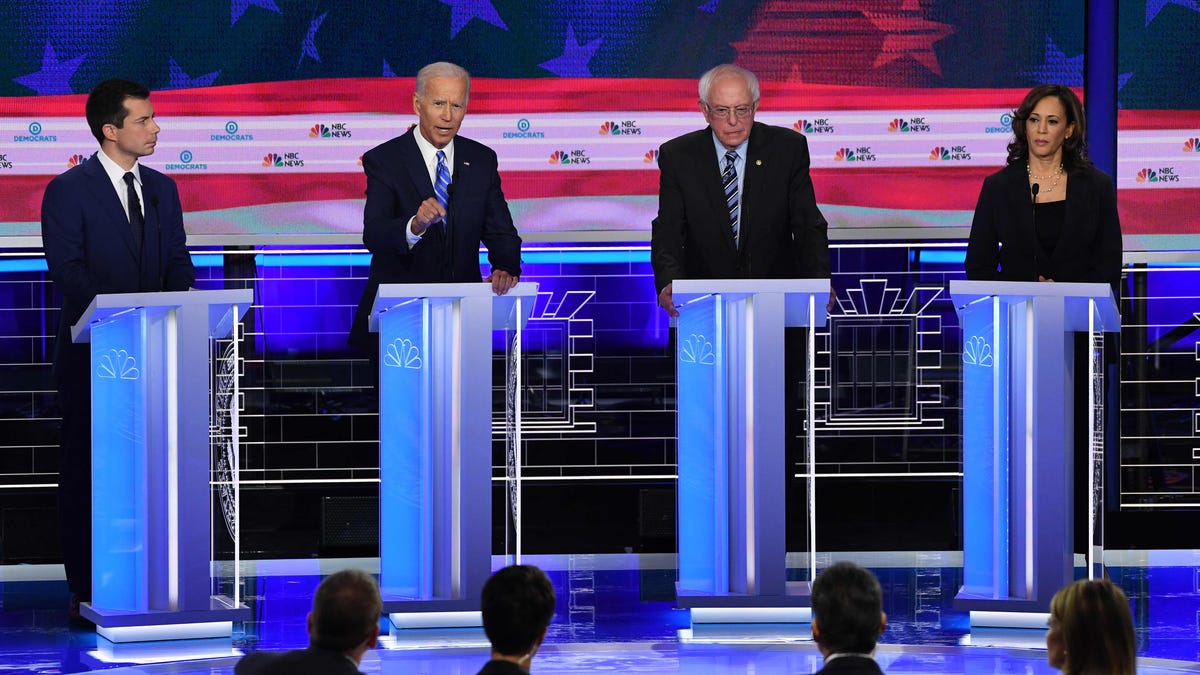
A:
(137, 136)
(730, 110)
(440, 108)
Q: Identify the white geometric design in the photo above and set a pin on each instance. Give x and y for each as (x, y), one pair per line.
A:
(402, 353)
(697, 349)
(977, 352)
(117, 363)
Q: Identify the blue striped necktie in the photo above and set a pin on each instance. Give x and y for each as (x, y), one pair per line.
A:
(441, 186)
(729, 180)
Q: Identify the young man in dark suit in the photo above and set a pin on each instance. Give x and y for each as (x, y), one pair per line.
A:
(517, 604)
(109, 225)
(342, 626)
(735, 199)
(432, 197)
(848, 618)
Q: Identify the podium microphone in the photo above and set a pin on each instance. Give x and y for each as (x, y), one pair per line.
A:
(1034, 190)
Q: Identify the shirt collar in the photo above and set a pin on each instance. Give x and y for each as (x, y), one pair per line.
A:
(115, 173)
(429, 153)
(721, 149)
(839, 655)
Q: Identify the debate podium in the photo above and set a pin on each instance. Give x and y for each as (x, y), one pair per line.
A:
(152, 426)
(1018, 442)
(435, 440)
(732, 522)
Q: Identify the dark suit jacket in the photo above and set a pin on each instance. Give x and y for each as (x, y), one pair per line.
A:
(1004, 245)
(497, 667)
(851, 665)
(311, 661)
(397, 183)
(89, 243)
(782, 232)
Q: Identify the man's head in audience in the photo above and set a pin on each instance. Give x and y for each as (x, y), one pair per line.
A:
(345, 613)
(847, 607)
(517, 604)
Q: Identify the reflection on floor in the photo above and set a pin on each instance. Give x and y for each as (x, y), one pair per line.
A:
(615, 613)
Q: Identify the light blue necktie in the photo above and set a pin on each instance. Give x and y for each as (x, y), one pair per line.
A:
(441, 186)
(729, 180)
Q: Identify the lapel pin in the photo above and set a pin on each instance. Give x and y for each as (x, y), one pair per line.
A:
(758, 162)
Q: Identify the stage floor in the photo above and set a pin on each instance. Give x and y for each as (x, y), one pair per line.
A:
(615, 613)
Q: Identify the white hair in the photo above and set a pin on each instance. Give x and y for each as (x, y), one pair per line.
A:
(728, 70)
(442, 69)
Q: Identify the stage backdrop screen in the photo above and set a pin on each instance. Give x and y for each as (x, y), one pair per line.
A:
(267, 106)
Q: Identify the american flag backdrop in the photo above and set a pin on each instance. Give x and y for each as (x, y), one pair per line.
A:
(267, 105)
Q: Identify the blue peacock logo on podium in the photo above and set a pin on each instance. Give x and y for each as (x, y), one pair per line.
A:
(402, 353)
(117, 364)
(697, 349)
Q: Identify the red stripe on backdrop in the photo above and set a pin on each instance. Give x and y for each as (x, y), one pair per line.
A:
(529, 96)
(1165, 211)
(1186, 121)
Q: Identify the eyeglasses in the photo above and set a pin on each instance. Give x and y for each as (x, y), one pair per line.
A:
(741, 111)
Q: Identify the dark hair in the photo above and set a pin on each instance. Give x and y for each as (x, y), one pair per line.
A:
(847, 603)
(517, 604)
(1074, 147)
(1097, 628)
(106, 104)
(346, 608)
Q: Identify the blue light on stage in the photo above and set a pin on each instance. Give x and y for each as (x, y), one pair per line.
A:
(938, 256)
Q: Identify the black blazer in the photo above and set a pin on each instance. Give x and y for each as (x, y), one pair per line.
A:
(498, 667)
(851, 665)
(311, 661)
(397, 183)
(90, 249)
(1004, 246)
(783, 234)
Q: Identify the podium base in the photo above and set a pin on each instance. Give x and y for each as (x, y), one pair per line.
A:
(119, 626)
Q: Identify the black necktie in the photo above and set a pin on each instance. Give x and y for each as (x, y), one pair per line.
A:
(136, 221)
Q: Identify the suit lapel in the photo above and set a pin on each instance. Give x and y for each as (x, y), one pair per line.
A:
(757, 161)
(705, 159)
(415, 165)
(108, 204)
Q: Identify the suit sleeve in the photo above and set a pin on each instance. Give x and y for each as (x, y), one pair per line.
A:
(1106, 263)
(668, 229)
(385, 216)
(810, 230)
(983, 244)
(64, 242)
(499, 234)
(178, 272)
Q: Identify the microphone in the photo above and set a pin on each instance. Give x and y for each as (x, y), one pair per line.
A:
(1033, 190)
(162, 283)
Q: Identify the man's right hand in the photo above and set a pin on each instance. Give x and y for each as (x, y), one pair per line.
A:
(429, 212)
(665, 301)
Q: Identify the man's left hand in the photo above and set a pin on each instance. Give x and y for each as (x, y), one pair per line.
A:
(502, 282)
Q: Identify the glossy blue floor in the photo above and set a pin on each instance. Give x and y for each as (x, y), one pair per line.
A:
(615, 613)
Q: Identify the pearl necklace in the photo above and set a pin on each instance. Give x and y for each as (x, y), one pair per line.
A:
(1057, 176)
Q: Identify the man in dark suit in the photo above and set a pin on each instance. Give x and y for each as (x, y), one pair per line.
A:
(432, 197)
(735, 199)
(517, 604)
(109, 225)
(848, 618)
(342, 626)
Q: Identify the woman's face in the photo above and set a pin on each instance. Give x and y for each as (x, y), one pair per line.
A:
(1055, 652)
(1047, 128)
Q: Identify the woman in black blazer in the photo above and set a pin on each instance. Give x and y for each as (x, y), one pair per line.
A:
(1049, 215)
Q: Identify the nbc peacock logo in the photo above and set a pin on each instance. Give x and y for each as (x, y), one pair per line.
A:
(898, 125)
(610, 129)
(803, 126)
(272, 159)
(844, 155)
(1191, 145)
(939, 153)
(820, 125)
(318, 131)
(651, 157)
(560, 157)
(1146, 176)
(75, 160)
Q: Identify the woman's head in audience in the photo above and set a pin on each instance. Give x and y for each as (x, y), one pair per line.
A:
(1091, 630)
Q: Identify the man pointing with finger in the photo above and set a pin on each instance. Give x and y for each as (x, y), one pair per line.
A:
(432, 198)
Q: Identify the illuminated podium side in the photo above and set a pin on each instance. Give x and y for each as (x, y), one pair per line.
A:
(1018, 441)
(151, 448)
(732, 522)
(435, 445)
